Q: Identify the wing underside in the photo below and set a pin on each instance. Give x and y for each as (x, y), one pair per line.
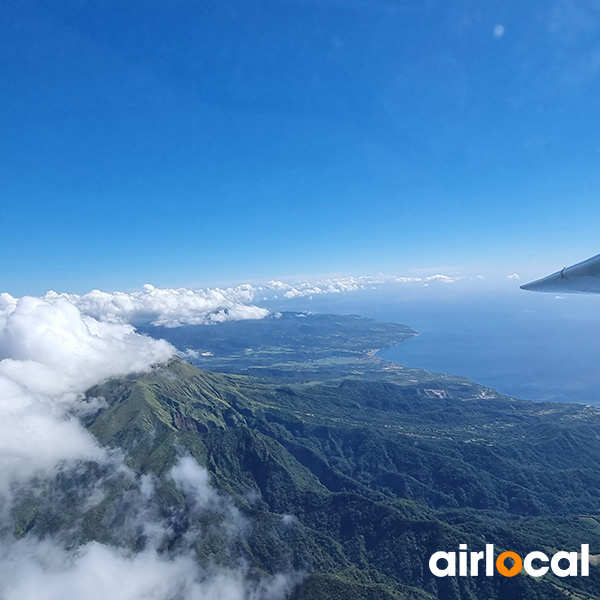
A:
(581, 278)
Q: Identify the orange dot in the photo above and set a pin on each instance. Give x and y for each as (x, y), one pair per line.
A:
(516, 568)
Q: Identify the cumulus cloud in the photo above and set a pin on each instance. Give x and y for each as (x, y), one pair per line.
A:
(50, 354)
(342, 285)
(337, 285)
(514, 276)
(442, 278)
(168, 307)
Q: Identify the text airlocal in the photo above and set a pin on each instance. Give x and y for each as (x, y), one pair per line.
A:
(536, 564)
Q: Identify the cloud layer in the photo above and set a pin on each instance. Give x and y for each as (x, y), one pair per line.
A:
(174, 307)
(168, 307)
(342, 285)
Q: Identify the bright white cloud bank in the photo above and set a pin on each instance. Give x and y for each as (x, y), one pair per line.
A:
(50, 354)
(168, 307)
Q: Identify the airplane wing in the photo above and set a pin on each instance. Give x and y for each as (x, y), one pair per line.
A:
(582, 278)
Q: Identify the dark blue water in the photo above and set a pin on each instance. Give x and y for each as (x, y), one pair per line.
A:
(523, 344)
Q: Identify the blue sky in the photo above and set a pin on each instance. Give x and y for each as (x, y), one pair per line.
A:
(186, 143)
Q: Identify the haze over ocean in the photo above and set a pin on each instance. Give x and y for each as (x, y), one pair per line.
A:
(538, 347)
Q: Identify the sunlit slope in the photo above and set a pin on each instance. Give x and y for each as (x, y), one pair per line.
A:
(374, 476)
(498, 453)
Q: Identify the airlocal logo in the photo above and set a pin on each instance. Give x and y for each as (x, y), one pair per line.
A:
(535, 564)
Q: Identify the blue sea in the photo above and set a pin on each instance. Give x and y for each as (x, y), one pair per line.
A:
(526, 345)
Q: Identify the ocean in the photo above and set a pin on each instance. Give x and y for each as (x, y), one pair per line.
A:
(526, 345)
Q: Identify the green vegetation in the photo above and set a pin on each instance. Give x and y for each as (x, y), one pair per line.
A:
(297, 346)
(354, 477)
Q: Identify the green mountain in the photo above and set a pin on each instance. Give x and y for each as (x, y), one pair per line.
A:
(353, 474)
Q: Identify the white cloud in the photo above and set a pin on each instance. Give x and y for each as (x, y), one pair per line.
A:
(276, 285)
(499, 31)
(194, 481)
(288, 520)
(514, 276)
(190, 354)
(342, 285)
(50, 354)
(442, 278)
(168, 307)
(333, 285)
(31, 569)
